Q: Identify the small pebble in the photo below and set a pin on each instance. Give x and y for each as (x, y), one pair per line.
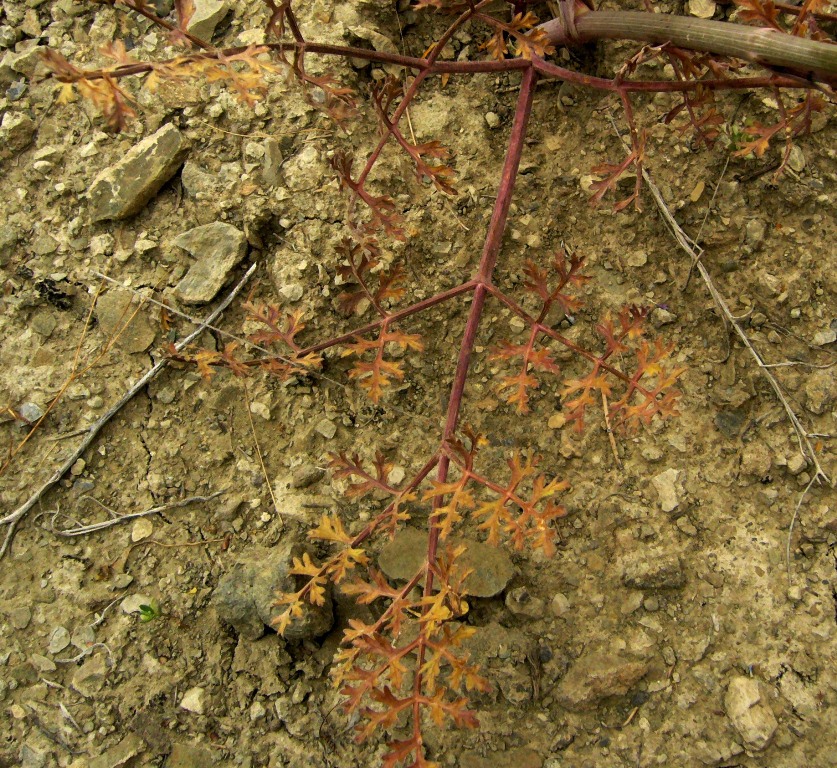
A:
(194, 700)
(326, 428)
(78, 467)
(556, 421)
(141, 529)
(58, 640)
(261, 410)
(31, 412)
(492, 119)
(697, 191)
(796, 159)
(122, 580)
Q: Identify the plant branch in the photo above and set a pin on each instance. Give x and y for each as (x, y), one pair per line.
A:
(757, 45)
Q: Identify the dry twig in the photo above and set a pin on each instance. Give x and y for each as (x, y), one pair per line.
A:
(13, 518)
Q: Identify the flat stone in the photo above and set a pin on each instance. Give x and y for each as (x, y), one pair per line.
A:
(667, 486)
(42, 663)
(113, 310)
(132, 603)
(20, 617)
(652, 570)
(123, 189)
(59, 639)
(120, 754)
(245, 597)
(89, 678)
(599, 675)
(491, 568)
(750, 714)
(218, 248)
(189, 756)
(207, 16)
(194, 700)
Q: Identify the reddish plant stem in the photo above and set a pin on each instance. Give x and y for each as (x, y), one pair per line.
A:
(491, 249)
(544, 68)
(426, 69)
(413, 309)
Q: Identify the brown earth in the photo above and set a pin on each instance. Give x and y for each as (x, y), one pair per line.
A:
(669, 629)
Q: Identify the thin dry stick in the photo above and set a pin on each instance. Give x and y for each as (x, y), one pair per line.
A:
(609, 430)
(75, 372)
(790, 528)
(695, 252)
(13, 518)
(258, 448)
(271, 354)
(81, 530)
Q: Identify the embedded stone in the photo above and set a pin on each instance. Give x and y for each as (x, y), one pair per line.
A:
(750, 714)
(599, 675)
(491, 568)
(123, 189)
(218, 248)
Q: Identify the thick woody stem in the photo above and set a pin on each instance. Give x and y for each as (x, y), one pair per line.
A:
(758, 45)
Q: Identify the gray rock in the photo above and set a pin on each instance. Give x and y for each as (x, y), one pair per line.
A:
(491, 568)
(123, 189)
(218, 248)
(207, 16)
(749, 713)
(652, 570)
(59, 639)
(119, 754)
(820, 391)
(8, 36)
(824, 337)
(113, 310)
(272, 165)
(89, 678)
(17, 131)
(667, 485)
(245, 597)
(189, 756)
(599, 675)
(26, 62)
(32, 757)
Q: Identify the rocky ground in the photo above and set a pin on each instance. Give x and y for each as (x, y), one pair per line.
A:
(679, 624)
